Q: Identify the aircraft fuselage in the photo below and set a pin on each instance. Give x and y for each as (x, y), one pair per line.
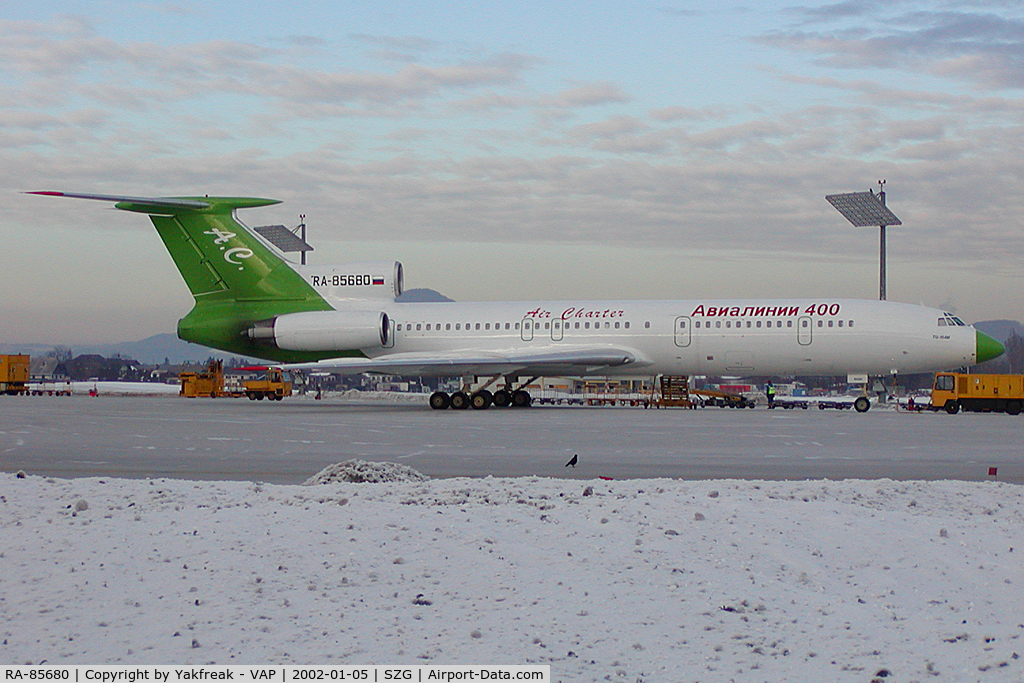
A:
(707, 337)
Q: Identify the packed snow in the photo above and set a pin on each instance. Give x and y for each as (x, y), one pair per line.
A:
(362, 472)
(636, 580)
(110, 388)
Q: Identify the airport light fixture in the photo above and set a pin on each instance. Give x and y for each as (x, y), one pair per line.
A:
(286, 240)
(867, 208)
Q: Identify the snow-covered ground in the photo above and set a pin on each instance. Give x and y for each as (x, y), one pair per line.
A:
(640, 580)
(126, 388)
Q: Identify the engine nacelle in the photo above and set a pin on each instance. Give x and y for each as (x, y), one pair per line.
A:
(324, 330)
(381, 280)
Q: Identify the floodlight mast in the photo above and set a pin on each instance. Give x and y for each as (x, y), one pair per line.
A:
(285, 239)
(865, 208)
(881, 247)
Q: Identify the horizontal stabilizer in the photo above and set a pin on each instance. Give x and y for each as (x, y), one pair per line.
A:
(170, 206)
(171, 202)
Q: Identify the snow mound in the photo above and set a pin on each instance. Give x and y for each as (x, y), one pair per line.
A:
(363, 472)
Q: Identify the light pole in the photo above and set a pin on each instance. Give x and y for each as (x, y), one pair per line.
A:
(285, 239)
(867, 208)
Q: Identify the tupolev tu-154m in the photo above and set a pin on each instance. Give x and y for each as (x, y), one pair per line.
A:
(344, 319)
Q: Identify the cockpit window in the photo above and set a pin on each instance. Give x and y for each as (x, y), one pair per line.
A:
(950, 320)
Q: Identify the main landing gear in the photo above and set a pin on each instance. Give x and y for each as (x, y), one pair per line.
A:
(481, 399)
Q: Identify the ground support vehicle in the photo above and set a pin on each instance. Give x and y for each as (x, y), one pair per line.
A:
(861, 404)
(212, 383)
(914, 404)
(560, 398)
(209, 382)
(616, 400)
(790, 403)
(836, 404)
(14, 374)
(671, 391)
(50, 388)
(272, 386)
(955, 391)
(675, 391)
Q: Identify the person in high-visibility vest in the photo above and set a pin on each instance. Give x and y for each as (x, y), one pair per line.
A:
(770, 393)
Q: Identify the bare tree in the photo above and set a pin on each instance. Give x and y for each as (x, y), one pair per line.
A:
(1015, 353)
(61, 353)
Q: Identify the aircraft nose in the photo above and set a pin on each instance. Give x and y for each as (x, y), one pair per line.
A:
(988, 348)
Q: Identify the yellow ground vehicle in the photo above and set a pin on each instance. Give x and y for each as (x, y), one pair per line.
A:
(954, 391)
(14, 374)
(273, 386)
(209, 382)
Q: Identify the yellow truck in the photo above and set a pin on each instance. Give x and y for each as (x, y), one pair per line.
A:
(209, 382)
(954, 391)
(14, 374)
(272, 386)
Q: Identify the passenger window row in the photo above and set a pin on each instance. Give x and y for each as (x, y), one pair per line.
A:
(757, 324)
(718, 324)
(458, 327)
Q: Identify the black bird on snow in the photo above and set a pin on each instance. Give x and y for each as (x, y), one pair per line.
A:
(572, 463)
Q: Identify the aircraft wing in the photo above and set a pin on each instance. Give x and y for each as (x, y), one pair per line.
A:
(554, 362)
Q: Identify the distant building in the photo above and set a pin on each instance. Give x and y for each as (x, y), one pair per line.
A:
(47, 369)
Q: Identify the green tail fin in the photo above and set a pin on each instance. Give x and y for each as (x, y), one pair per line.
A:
(234, 278)
(218, 257)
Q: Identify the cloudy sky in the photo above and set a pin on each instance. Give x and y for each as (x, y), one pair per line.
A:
(527, 149)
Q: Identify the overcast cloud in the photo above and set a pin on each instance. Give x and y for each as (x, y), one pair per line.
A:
(692, 129)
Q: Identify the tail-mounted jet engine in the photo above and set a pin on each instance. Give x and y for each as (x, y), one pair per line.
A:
(323, 330)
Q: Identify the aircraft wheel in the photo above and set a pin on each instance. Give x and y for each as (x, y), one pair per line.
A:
(862, 404)
(502, 398)
(1013, 407)
(440, 400)
(481, 400)
(521, 399)
(460, 401)
(952, 407)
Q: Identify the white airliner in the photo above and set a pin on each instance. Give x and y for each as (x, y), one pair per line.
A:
(344, 319)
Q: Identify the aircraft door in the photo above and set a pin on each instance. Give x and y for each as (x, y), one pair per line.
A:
(556, 330)
(526, 328)
(804, 332)
(682, 332)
